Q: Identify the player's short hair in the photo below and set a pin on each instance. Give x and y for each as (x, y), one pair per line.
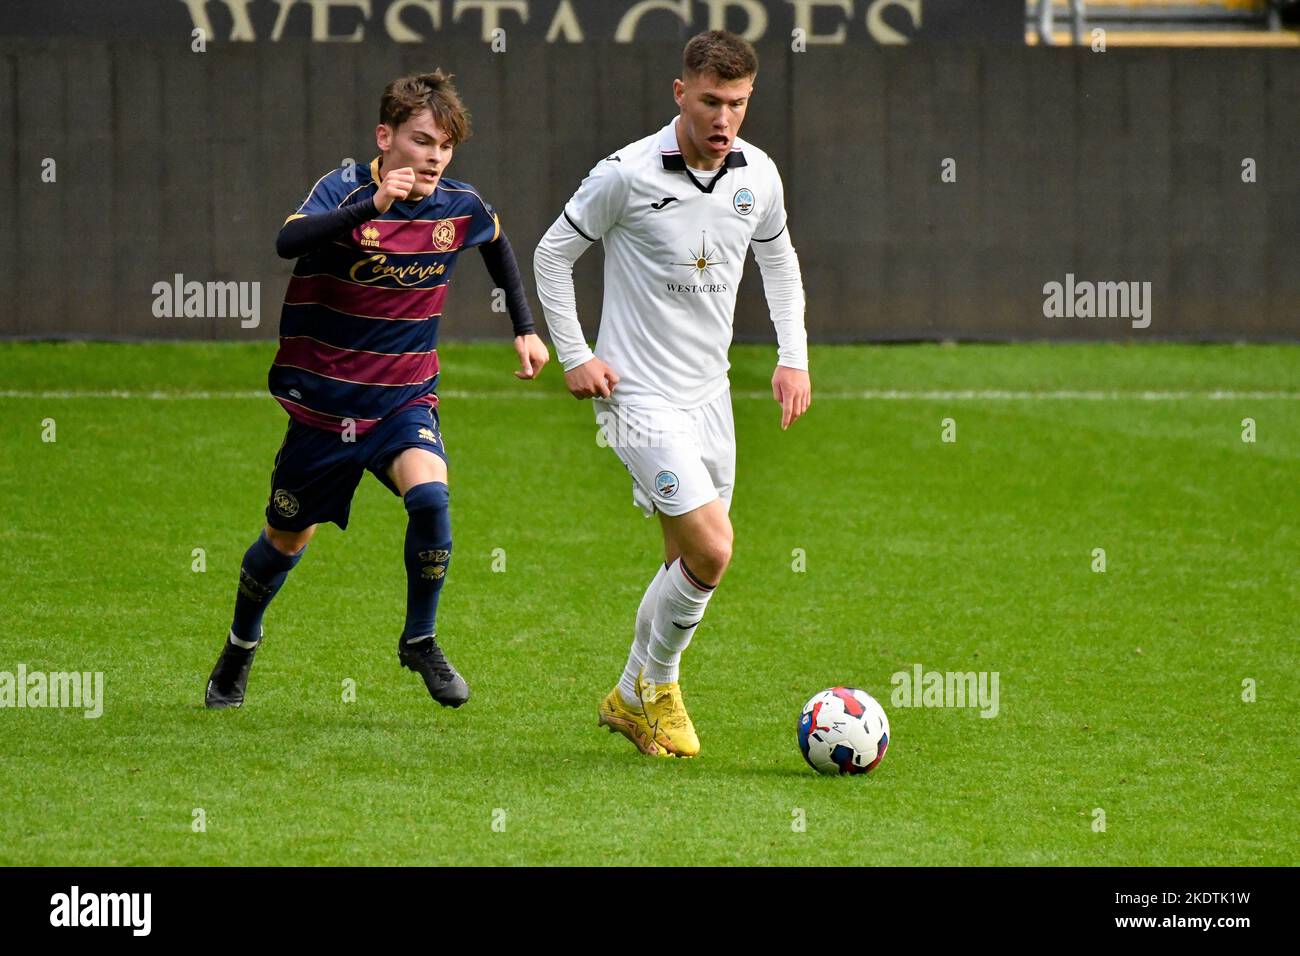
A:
(720, 53)
(435, 92)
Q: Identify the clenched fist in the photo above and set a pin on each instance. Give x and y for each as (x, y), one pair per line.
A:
(397, 184)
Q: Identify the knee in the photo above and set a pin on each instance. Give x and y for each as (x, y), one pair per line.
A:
(426, 507)
(429, 496)
(710, 556)
(289, 543)
(721, 551)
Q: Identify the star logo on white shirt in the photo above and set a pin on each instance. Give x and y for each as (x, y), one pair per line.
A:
(702, 258)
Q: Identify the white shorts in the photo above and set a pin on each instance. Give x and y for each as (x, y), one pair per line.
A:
(679, 458)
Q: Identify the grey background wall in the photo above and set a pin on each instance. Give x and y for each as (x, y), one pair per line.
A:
(1117, 166)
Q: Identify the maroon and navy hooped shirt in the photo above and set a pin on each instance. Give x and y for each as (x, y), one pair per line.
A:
(359, 327)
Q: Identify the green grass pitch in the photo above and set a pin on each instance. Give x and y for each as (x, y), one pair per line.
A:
(1120, 691)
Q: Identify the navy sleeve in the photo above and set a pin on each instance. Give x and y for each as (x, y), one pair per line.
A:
(304, 233)
(484, 226)
(504, 270)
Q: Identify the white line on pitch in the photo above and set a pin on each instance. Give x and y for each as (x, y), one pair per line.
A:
(997, 395)
(904, 395)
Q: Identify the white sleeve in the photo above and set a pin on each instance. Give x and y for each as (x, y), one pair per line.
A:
(598, 204)
(594, 208)
(783, 286)
(772, 218)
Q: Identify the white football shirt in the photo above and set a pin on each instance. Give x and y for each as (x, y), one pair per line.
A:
(675, 249)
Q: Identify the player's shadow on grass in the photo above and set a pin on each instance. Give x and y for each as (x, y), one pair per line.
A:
(601, 760)
(783, 772)
(271, 717)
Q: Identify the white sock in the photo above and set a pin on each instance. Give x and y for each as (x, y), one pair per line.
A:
(681, 601)
(627, 688)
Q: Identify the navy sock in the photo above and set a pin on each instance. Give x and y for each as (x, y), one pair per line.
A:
(428, 551)
(260, 576)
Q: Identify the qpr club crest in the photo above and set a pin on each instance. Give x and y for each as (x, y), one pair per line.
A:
(743, 201)
(285, 504)
(444, 235)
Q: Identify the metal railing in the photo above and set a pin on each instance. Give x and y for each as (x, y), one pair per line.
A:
(1260, 14)
(1046, 12)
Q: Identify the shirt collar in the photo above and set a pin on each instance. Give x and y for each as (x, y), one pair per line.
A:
(670, 154)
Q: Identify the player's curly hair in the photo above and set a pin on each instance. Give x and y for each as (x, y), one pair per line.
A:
(721, 54)
(433, 91)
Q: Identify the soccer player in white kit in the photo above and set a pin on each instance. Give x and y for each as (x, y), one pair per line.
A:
(678, 211)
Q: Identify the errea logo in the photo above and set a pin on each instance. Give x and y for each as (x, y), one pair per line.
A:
(103, 909)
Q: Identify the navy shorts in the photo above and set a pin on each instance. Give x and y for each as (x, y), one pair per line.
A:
(317, 472)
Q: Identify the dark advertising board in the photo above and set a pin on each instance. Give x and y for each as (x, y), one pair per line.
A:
(810, 22)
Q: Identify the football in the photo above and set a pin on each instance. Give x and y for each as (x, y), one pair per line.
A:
(843, 730)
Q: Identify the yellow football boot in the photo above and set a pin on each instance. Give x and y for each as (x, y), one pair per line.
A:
(665, 713)
(630, 722)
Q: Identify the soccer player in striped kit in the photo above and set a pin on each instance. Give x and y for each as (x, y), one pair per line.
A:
(357, 367)
(678, 211)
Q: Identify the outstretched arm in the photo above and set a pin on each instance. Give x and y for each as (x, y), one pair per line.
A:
(783, 287)
(502, 266)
